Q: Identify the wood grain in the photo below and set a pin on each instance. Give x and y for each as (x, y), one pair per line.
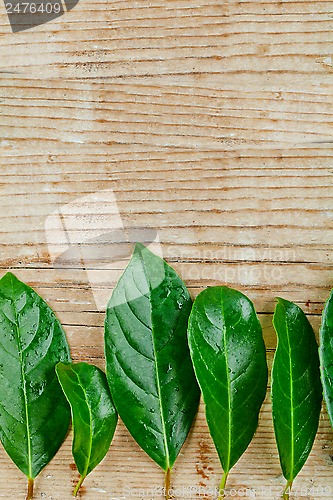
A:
(212, 125)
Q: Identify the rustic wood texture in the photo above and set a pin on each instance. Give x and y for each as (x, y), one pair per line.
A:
(212, 125)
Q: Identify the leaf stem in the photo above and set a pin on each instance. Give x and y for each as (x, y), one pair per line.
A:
(222, 484)
(286, 491)
(30, 489)
(78, 486)
(167, 483)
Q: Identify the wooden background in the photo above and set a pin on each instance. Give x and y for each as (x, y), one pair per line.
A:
(212, 124)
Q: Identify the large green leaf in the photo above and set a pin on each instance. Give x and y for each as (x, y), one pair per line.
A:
(229, 359)
(94, 416)
(296, 388)
(326, 355)
(34, 413)
(149, 368)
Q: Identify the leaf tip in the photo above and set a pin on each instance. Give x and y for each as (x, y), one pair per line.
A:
(10, 285)
(61, 365)
(282, 301)
(139, 247)
(287, 305)
(9, 278)
(328, 303)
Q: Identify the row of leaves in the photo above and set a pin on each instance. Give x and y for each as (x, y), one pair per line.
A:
(161, 352)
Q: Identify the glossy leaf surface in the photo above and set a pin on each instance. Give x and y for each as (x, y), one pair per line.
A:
(229, 359)
(94, 417)
(34, 413)
(149, 368)
(296, 387)
(326, 355)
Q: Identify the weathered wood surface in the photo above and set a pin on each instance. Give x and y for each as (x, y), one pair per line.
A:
(212, 124)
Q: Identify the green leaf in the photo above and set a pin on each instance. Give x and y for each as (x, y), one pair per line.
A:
(229, 359)
(149, 368)
(34, 413)
(93, 414)
(326, 355)
(296, 388)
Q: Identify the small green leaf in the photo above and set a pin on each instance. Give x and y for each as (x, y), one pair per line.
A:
(296, 388)
(93, 414)
(229, 359)
(326, 355)
(149, 367)
(34, 413)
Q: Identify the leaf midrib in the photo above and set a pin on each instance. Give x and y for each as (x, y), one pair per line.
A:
(22, 365)
(224, 330)
(84, 474)
(167, 454)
